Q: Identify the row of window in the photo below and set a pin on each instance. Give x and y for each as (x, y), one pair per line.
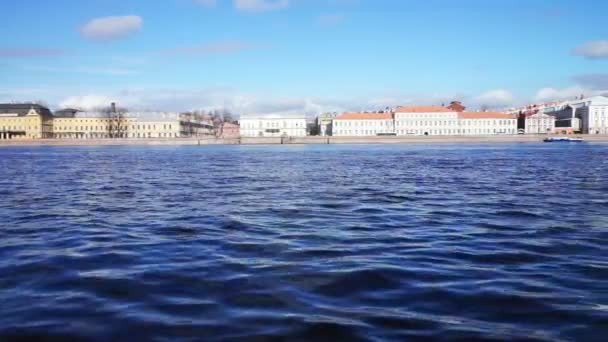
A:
(272, 124)
(429, 132)
(367, 123)
(102, 128)
(81, 135)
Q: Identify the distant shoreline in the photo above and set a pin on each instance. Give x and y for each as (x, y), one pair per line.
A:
(310, 140)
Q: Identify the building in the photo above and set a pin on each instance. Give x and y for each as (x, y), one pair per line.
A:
(539, 123)
(325, 123)
(363, 124)
(25, 121)
(74, 124)
(426, 120)
(592, 113)
(486, 123)
(228, 130)
(273, 127)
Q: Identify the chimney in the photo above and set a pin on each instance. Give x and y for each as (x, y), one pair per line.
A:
(113, 106)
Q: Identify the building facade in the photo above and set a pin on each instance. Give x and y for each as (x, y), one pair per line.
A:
(272, 127)
(70, 124)
(539, 123)
(363, 124)
(426, 120)
(25, 121)
(486, 123)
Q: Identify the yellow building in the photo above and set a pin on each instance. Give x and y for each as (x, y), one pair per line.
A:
(25, 121)
(73, 124)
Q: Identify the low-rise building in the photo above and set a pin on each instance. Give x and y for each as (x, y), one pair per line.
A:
(272, 126)
(73, 124)
(426, 120)
(363, 124)
(539, 123)
(25, 121)
(486, 123)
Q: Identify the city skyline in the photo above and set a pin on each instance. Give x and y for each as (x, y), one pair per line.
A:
(290, 56)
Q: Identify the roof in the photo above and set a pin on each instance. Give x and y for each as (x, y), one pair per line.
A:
(423, 109)
(65, 113)
(230, 124)
(22, 109)
(365, 116)
(485, 115)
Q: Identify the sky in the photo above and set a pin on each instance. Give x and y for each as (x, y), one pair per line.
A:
(301, 56)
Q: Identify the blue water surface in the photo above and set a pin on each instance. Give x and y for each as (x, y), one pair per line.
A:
(308, 243)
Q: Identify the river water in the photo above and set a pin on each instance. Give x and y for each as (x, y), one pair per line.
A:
(458, 242)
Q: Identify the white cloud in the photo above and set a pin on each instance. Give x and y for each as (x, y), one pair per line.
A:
(111, 28)
(494, 98)
(87, 102)
(568, 93)
(260, 5)
(593, 50)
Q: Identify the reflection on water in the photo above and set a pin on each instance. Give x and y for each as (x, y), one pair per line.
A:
(304, 242)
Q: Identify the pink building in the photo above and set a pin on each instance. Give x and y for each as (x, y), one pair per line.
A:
(228, 130)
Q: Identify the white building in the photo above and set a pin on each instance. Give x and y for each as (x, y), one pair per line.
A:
(540, 123)
(486, 123)
(426, 120)
(593, 113)
(363, 124)
(273, 127)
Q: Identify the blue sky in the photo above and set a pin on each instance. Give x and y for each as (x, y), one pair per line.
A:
(308, 56)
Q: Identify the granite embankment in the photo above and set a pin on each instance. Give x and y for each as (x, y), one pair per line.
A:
(295, 140)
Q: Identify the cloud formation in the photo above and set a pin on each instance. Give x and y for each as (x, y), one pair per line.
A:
(111, 28)
(495, 98)
(29, 52)
(260, 5)
(224, 47)
(87, 102)
(593, 50)
(593, 81)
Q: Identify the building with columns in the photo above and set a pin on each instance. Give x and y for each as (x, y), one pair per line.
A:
(539, 123)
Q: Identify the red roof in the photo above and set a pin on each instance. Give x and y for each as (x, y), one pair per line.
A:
(485, 115)
(365, 116)
(423, 109)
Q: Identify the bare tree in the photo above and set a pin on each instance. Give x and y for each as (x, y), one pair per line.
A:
(117, 123)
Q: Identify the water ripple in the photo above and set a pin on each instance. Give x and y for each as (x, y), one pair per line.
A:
(352, 243)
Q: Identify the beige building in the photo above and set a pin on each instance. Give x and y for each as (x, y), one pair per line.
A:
(73, 124)
(25, 121)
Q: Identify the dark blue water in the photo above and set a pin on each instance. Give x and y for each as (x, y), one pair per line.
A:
(305, 243)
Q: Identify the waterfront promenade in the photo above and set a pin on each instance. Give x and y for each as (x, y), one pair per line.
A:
(296, 140)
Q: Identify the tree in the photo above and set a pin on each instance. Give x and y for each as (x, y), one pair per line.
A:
(117, 123)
